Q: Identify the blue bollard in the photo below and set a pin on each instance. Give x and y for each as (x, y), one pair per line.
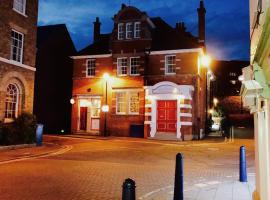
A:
(243, 165)
(39, 134)
(179, 180)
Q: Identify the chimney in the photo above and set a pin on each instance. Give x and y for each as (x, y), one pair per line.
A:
(123, 6)
(96, 29)
(201, 23)
(180, 27)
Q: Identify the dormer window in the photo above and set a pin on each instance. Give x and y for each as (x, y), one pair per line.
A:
(129, 31)
(137, 30)
(121, 31)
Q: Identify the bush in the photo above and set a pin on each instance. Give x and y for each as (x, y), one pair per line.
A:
(21, 131)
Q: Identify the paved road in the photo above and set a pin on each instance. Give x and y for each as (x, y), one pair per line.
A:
(95, 169)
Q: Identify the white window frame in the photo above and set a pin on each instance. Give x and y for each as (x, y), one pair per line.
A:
(125, 103)
(7, 110)
(130, 68)
(129, 31)
(137, 32)
(119, 68)
(129, 101)
(15, 8)
(88, 67)
(122, 32)
(22, 48)
(167, 65)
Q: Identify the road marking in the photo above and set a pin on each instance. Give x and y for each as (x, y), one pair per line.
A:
(63, 150)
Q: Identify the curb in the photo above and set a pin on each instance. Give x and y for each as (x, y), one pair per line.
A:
(19, 146)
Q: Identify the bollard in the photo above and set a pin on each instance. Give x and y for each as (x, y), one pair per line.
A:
(179, 181)
(242, 165)
(39, 133)
(128, 192)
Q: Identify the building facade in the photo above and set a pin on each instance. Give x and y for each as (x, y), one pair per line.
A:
(53, 81)
(18, 22)
(155, 78)
(255, 92)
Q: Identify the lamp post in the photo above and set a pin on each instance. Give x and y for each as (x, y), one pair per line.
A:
(205, 62)
(105, 107)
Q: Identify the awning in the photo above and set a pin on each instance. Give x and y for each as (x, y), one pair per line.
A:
(260, 78)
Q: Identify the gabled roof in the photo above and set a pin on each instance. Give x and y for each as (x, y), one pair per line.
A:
(102, 46)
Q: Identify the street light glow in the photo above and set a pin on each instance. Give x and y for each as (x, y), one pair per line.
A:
(215, 101)
(205, 61)
(106, 76)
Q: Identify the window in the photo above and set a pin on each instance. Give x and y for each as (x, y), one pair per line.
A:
(137, 30)
(127, 102)
(134, 65)
(129, 31)
(19, 5)
(91, 67)
(170, 64)
(233, 74)
(121, 31)
(12, 97)
(122, 66)
(121, 103)
(95, 108)
(16, 46)
(134, 103)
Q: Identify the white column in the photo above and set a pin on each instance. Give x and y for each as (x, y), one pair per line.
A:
(153, 125)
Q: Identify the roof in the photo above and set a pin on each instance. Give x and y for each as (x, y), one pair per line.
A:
(164, 37)
(102, 46)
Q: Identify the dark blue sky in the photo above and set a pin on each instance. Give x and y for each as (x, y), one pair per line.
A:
(227, 21)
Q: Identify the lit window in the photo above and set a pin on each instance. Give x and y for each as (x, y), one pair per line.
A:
(19, 5)
(129, 31)
(95, 108)
(121, 31)
(16, 46)
(121, 103)
(122, 66)
(91, 67)
(12, 97)
(170, 64)
(134, 65)
(137, 30)
(134, 103)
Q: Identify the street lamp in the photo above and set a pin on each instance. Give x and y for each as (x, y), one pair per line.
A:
(105, 107)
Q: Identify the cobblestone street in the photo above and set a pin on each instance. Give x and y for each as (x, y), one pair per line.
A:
(95, 169)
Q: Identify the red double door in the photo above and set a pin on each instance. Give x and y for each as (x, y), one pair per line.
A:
(166, 116)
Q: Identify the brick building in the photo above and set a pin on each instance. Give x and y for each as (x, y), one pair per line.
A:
(156, 79)
(18, 22)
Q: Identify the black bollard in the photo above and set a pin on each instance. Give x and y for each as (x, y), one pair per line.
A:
(128, 192)
(179, 181)
(242, 165)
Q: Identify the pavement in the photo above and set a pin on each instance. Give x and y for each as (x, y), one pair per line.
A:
(95, 168)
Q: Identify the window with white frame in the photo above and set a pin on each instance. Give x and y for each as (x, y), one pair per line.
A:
(134, 65)
(12, 99)
(134, 103)
(121, 103)
(122, 66)
(121, 31)
(91, 67)
(137, 30)
(129, 31)
(19, 5)
(170, 64)
(127, 102)
(16, 46)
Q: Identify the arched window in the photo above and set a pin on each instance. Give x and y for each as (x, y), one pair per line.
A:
(12, 100)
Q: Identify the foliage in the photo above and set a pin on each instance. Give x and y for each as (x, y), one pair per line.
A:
(21, 131)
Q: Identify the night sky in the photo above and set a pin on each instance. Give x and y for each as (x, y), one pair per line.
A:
(227, 21)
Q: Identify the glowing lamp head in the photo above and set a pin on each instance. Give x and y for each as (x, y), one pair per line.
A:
(205, 61)
(106, 76)
(211, 111)
(215, 101)
(72, 101)
(105, 108)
